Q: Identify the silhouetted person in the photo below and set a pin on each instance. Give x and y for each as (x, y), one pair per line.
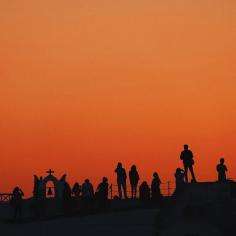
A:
(187, 157)
(102, 189)
(87, 195)
(179, 179)
(16, 201)
(102, 192)
(221, 169)
(87, 189)
(144, 191)
(76, 190)
(133, 178)
(121, 180)
(155, 187)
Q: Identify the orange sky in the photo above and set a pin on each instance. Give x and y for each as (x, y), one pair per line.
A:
(85, 83)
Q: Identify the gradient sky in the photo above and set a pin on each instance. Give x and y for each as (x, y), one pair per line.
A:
(86, 83)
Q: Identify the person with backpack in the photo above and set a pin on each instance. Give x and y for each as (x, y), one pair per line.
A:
(187, 157)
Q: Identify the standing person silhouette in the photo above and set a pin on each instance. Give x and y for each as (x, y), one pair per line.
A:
(133, 178)
(187, 157)
(155, 187)
(121, 180)
(87, 190)
(87, 196)
(221, 169)
(16, 202)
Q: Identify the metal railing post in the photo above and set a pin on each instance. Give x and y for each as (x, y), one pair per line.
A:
(168, 184)
(111, 192)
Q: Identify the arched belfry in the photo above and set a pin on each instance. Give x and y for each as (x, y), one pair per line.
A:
(40, 185)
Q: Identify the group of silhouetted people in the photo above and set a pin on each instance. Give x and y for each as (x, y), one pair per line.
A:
(145, 191)
(154, 193)
(87, 196)
(181, 175)
(187, 157)
(86, 190)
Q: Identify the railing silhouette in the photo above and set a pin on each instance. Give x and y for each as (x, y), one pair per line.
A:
(167, 189)
(5, 197)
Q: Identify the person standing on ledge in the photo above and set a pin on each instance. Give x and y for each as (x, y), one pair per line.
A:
(121, 180)
(221, 169)
(134, 178)
(187, 157)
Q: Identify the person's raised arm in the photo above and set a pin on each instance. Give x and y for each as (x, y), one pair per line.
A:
(21, 192)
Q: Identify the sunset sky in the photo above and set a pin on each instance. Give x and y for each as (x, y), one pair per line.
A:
(87, 83)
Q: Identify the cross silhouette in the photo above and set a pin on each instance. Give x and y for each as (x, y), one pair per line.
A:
(50, 172)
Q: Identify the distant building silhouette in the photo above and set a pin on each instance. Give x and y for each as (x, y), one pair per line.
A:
(40, 185)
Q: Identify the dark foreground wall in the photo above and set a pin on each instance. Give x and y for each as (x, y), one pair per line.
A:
(200, 209)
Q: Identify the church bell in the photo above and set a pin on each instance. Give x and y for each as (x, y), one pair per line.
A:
(49, 191)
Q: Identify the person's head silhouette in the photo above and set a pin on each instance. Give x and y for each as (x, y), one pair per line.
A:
(16, 189)
(155, 175)
(145, 183)
(222, 160)
(179, 170)
(104, 179)
(133, 167)
(185, 146)
(119, 165)
(86, 181)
